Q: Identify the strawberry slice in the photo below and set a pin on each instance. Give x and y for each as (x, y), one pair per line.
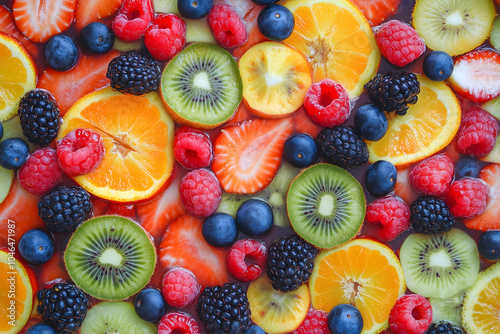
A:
(39, 20)
(241, 115)
(377, 11)
(403, 188)
(248, 155)
(89, 11)
(303, 123)
(183, 245)
(8, 27)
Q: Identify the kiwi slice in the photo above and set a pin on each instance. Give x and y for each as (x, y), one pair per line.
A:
(453, 26)
(439, 265)
(117, 318)
(495, 34)
(448, 309)
(201, 86)
(326, 205)
(110, 257)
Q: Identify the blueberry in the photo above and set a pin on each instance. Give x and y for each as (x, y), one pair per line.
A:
(300, 150)
(276, 22)
(468, 167)
(345, 319)
(254, 218)
(194, 9)
(40, 328)
(1, 130)
(264, 2)
(370, 122)
(438, 65)
(380, 178)
(489, 245)
(97, 38)
(150, 305)
(61, 53)
(36, 246)
(254, 329)
(220, 230)
(13, 153)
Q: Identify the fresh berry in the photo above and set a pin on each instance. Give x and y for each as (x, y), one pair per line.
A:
(327, 103)
(432, 176)
(220, 230)
(255, 218)
(166, 36)
(430, 215)
(438, 65)
(40, 328)
(380, 178)
(200, 192)
(13, 153)
(80, 151)
(377, 11)
(300, 150)
(345, 319)
(488, 245)
(61, 53)
(149, 305)
(228, 28)
(242, 250)
(97, 38)
(179, 287)
(390, 214)
(93, 10)
(178, 323)
(192, 148)
(467, 197)
(370, 122)
(194, 9)
(254, 329)
(412, 314)
(8, 27)
(36, 247)
(443, 327)
(314, 323)
(133, 19)
(41, 171)
(478, 132)
(276, 22)
(264, 2)
(468, 167)
(1, 130)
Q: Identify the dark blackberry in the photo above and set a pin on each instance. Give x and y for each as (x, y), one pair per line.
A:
(224, 309)
(63, 306)
(39, 116)
(64, 208)
(443, 327)
(342, 146)
(431, 215)
(393, 92)
(134, 72)
(290, 262)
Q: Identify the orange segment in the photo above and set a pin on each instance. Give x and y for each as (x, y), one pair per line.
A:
(138, 136)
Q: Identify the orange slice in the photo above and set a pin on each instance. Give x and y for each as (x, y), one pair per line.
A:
(362, 272)
(428, 126)
(138, 143)
(337, 40)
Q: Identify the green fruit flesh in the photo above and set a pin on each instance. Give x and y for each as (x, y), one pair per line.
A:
(495, 34)
(448, 309)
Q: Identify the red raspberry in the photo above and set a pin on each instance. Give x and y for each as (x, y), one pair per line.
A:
(467, 197)
(432, 176)
(391, 215)
(166, 36)
(228, 28)
(327, 103)
(192, 148)
(80, 151)
(133, 19)
(200, 192)
(412, 314)
(478, 132)
(178, 323)
(236, 256)
(316, 322)
(179, 287)
(41, 171)
(399, 42)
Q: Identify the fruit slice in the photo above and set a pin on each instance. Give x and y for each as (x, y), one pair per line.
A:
(495, 34)
(303, 123)
(326, 205)
(8, 27)
(337, 40)
(92, 10)
(6, 178)
(275, 79)
(429, 126)
(363, 273)
(439, 265)
(110, 257)
(448, 309)
(376, 11)
(274, 311)
(138, 142)
(493, 107)
(494, 155)
(248, 155)
(453, 26)
(198, 31)
(201, 86)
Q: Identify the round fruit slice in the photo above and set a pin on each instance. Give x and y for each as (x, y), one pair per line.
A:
(337, 40)
(110, 257)
(428, 126)
(138, 138)
(364, 273)
(326, 205)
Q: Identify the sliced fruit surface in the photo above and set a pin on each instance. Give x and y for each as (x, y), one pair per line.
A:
(363, 273)
(448, 309)
(493, 107)
(8, 27)
(377, 11)
(337, 41)
(93, 10)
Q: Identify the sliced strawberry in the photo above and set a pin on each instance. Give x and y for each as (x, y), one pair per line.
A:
(183, 245)
(377, 11)
(89, 11)
(241, 115)
(8, 27)
(248, 155)
(39, 20)
(303, 123)
(403, 188)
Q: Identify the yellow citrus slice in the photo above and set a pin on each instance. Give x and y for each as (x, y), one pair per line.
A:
(337, 40)
(138, 142)
(428, 126)
(362, 272)
(17, 75)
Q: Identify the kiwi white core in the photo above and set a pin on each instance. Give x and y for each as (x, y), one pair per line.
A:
(201, 81)
(111, 256)
(440, 259)
(326, 205)
(455, 19)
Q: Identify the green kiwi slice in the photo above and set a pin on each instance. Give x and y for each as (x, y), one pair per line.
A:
(110, 257)
(326, 205)
(448, 309)
(439, 265)
(201, 86)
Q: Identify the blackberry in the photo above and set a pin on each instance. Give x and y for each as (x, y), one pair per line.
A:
(134, 72)
(39, 116)
(224, 309)
(64, 208)
(431, 215)
(290, 262)
(443, 327)
(63, 306)
(342, 146)
(393, 92)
